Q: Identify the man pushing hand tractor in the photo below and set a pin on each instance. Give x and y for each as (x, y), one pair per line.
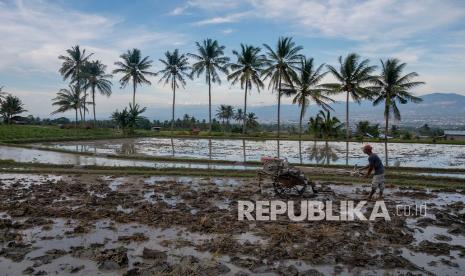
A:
(374, 165)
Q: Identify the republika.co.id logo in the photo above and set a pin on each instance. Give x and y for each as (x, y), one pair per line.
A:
(268, 210)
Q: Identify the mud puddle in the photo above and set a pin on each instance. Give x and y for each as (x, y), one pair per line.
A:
(90, 224)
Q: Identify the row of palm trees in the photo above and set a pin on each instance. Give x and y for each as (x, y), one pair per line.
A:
(287, 71)
(226, 112)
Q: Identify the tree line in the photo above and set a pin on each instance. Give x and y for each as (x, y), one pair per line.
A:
(285, 69)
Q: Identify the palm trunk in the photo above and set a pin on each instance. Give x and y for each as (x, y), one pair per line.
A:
(244, 124)
(347, 128)
(133, 92)
(385, 135)
(300, 122)
(84, 106)
(279, 107)
(76, 121)
(279, 112)
(93, 103)
(243, 150)
(174, 100)
(347, 117)
(209, 105)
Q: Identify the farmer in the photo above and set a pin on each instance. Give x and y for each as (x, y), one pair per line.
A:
(374, 164)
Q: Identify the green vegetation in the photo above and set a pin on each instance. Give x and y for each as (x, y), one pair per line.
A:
(10, 106)
(134, 68)
(353, 76)
(69, 100)
(128, 119)
(40, 133)
(97, 80)
(210, 59)
(72, 68)
(174, 72)
(25, 134)
(324, 126)
(391, 87)
(307, 88)
(246, 71)
(281, 67)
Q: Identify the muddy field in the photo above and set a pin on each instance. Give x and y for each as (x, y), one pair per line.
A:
(89, 224)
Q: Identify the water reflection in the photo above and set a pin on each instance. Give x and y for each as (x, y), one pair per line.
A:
(347, 152)
(59, 158)
(243, 150)
(172, 147)
(305, 152)
(279, 145)
(127, 148)
(210, 149)
(322, 154)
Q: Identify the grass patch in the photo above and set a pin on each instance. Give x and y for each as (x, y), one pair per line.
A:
(31, 134)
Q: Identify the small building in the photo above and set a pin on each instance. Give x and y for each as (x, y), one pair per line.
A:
(454, 135)
(156, 128)
(381, 136)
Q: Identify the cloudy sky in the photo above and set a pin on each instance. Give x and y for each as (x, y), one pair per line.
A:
(427, 34)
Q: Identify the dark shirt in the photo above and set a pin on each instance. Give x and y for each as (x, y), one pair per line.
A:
(376, 163)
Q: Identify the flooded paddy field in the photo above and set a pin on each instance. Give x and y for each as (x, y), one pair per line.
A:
(305, 152)
(135, 225)
(26, 155)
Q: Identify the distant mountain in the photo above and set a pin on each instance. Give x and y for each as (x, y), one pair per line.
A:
(436, 109)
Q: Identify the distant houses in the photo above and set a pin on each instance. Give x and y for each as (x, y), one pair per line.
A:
(454, 135)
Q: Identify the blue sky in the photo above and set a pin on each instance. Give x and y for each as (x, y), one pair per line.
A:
(429, 35)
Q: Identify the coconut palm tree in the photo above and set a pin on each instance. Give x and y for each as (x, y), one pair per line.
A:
(352, 75)
(221, 114)
(247, 70)
(314, 126)
(307, 88)
(74, 63)
(330, 126)
(239, 115)
(252, 122)
(281, 68)
(175, 72)
(392, 87)
(211, 60)
(229, 114)
(225, 113)
(68, 99)
(97, 80)
(134, 68)
(10, 107)
(127, 120)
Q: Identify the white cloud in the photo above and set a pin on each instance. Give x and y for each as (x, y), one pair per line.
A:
(362, 20)
(206, 5)
(227, 31)
(234, 17)
(36, 32)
